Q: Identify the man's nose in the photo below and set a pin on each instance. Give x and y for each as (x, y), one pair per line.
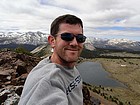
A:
(74, 42)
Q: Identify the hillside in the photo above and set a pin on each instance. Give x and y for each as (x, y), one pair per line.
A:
(125, 70)
(14, 68)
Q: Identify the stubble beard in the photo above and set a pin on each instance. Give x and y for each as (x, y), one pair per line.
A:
(66, 58)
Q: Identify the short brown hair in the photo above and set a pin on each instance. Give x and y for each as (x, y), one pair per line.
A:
(70, 19)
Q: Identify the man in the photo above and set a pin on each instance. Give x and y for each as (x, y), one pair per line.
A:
(55, 80)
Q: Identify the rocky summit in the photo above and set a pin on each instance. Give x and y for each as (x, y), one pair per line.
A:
(14, 68)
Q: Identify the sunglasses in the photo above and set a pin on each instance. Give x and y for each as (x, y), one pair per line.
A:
(80, 38)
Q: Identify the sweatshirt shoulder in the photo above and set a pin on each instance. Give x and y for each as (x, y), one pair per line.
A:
(44, 69)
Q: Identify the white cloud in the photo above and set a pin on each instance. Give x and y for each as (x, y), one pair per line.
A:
(38, 14)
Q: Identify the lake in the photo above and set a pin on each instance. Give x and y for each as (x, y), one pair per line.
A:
(94, 73)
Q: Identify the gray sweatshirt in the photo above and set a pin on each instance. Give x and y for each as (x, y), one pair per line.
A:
(52, 84)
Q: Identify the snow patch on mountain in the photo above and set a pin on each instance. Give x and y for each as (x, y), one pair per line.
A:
(33, 38)
(117, 41)
(39, 38)
(120, 44)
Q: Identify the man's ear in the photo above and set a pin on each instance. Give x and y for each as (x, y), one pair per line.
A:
(51, 40)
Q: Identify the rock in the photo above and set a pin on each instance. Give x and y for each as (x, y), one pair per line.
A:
(14, 69)
(3, 76)
(3, 95)
(88, 99)
(86, 94)
(21, 70)
(18, 91)
(10, 95)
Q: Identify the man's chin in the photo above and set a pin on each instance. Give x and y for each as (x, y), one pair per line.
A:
(72, 60)
(72, 57)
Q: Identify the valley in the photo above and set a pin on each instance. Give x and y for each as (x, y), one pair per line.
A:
(125, 70)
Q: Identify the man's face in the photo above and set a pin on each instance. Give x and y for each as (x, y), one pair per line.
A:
(68, 51)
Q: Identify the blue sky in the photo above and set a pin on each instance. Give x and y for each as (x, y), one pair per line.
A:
(101, 18)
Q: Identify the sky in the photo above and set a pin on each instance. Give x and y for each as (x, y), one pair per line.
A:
(101, 18)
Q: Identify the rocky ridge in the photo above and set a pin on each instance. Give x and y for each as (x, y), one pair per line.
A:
(14, 68)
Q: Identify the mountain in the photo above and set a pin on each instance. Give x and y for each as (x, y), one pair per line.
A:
(27, 40)
(114, 44)
(42, 51)
(32, 38)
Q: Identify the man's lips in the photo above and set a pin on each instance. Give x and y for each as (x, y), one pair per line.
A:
(73, 49)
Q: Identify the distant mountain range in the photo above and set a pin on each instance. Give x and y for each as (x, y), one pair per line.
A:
(114, 44)
(28, 40)
(34, 39)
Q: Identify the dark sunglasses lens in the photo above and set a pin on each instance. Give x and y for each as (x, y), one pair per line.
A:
(67, 36)
(81, 38)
